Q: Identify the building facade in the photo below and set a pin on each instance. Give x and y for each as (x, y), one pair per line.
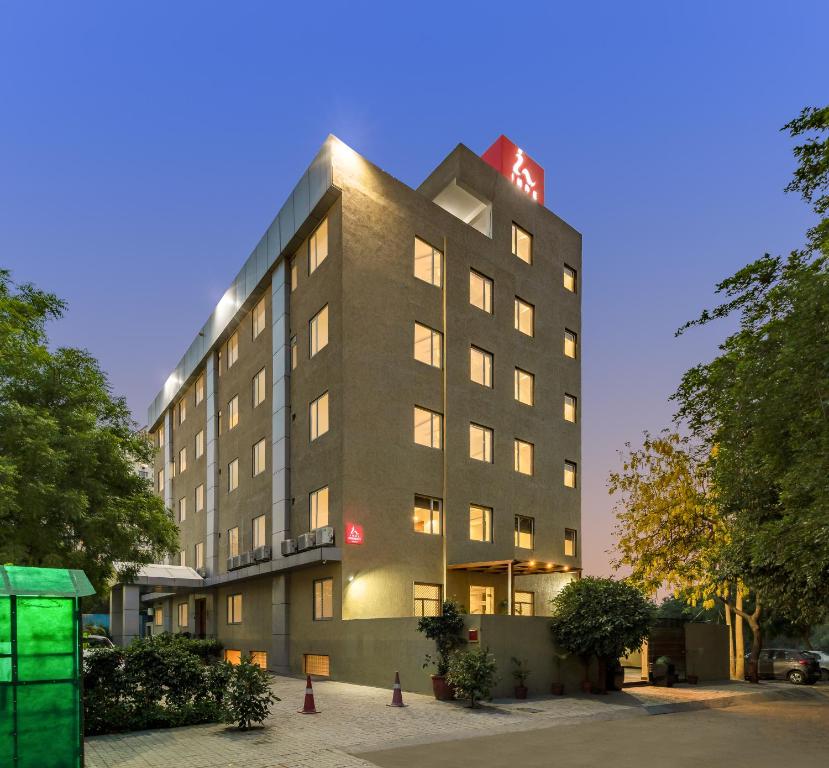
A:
(382, 412)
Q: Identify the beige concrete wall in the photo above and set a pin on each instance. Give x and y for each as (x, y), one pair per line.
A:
(706, 651)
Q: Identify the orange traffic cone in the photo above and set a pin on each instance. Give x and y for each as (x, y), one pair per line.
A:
(397, 696)
(308, 708)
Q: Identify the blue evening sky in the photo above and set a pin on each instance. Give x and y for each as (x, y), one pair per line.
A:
(145, 147)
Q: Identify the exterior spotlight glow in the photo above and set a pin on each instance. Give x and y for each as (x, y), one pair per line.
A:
(549, 566)
(532, 563)
(351, 578)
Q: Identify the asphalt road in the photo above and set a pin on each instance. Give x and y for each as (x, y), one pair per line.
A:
(763, 734)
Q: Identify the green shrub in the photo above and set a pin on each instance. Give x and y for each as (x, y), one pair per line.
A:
(446, 630)
(249, 697)
(472, 674)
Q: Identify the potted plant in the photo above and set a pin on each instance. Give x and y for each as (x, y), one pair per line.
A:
(472, 674)
(446, 631)
(520, 673)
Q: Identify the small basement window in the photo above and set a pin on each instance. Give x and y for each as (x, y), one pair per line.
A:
(467, 206)
(314, 664)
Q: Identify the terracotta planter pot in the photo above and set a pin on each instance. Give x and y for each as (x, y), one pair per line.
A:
(586, 686)
(557, 689)
(442, 690)
(520, 691)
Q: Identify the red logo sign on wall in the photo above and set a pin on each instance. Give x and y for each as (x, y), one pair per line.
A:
(353, 533)
(522, 171)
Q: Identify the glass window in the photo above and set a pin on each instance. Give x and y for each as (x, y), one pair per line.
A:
(232, 656)
(158, 616)
(183, 614)
(480, 443)
(480, 291)
(480, 366)
(294, 274)
(480, 523)
(199, 443)
(233, 541)
(570, 542)
(233, 412)
(570, 408)
(294, 353)
(481, 599)
(259, 318)
(259, 457)
(427, 345)
(259, 658)
(258, 528)
(232, 350)
(524, 529)
(570, 341)
(319, 416)
(316, 664)
(160, 435)
(318, 505)
(522, 244)
(199, 555)
(318, 246)
(182, 460)
(233, 475)
(524, 387)
(427, 263)
(200, 498)
(199, 389)
(160, 481)
(182, 509)
(428, 428)
(426, 599)
(522, 603)
(524, 317)
(570, 474)
(319, 331)
(569, 278)
(182, 411)
(523, 457)
(323, 599)
(182, 558)
(219, 422)
(427, 515)
(234, 609)
(259, 384)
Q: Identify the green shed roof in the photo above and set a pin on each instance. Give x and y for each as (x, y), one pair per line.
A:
(54, 582)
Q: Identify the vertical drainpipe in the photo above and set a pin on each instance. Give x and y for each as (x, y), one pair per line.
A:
(444, 358)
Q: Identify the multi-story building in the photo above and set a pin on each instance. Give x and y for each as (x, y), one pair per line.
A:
(382, 412)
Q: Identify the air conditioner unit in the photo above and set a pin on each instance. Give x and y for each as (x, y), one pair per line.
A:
(305, 541)
(231, 563)
(202, 572)
(325, 536)
(246, 558)
(262, 553)
(288, 547)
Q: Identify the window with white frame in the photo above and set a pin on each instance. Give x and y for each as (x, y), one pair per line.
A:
(294, 274)
(318, 507)
(199, 444)
(199, 555)
(183, 614)
(233, 349)
(160, 436)
(259, 383)
(427, 263)
(522, 244)
(427, 514)
(233, 475)
(318, 246)
(524, 457)
(428, 427)
(570, 542)
(323, 599)
(182, 410)
(480, 291)
(259, 457)
(570, 471)
(182, 558)
(428, 345)
(200, 498)
(524, 531)
(158, 616)
(233, 412)
(233, 541)
(160, 478)
(570, 408)
(258, 321)
(480, 366)
(481, 599)
(570, 278)
(294, 353)
(523, 603)
(234, 609)
(524, 317)
(570, 343)
(199, 389)
(182, 460)
(182, 509)
(318, 328)
(318, 410)
(480, 443)
(524, 387)
(258, 531)
(426, 599)
(480, 523)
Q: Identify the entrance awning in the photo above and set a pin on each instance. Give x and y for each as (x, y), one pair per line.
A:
(519, 567)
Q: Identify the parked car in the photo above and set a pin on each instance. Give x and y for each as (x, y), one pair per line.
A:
(91, 642)
(798, 667)
(823, 660)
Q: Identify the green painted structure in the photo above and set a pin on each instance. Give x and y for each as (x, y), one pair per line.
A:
(41, 708)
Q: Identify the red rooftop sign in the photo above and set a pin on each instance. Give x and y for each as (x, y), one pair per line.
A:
(521, 170)
(353, 533)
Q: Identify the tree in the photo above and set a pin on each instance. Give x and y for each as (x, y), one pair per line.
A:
(446, 631)
(472, 674)
(602, 618)
(69, 495)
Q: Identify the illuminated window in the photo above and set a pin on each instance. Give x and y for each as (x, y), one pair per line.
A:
(523, 457)
(158, 616)
(259, 658)
(233, 475)
(259, 457)
(294, 274)
(160, 436)
(315, 664)
(182, 460)
(524, 317)
(426, 599)
(570, 474)
(522, 244)
(182, 509)
(259, 384)
(481, 600)
(200, 498)
(182, 411)
(198, 551)
(233, 412)
(232, 350)
(570, 341)
(524, 387)
(259, 318)
(294, 353)
(233, 541)
(569, 278)
(219, 421)
(199, 389)
(234, 609)
(480, 366)
(480, 523)
(183, 614)
(524, 531)
(199, 443)
(427, 345)
(319, 416)
(426, 515)
(258, 529)
(480, 291)
(318, 506)
(232, 656)
(480, 443)
(570, 408)
(182, 558)
(428, 428)
(522, 603)
(427, 263)
(318, 247)
(323, 599)
(570, 542)
(160, 477)
(318, 337)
